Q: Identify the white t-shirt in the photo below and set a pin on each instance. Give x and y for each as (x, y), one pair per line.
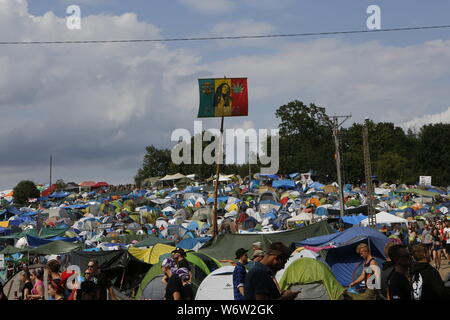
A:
(447, 234)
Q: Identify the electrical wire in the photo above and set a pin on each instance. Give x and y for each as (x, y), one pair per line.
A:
(223, 38)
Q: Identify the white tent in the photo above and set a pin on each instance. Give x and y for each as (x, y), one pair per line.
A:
(172, 177)
(218, 285)
(384, 218)
(303, 217)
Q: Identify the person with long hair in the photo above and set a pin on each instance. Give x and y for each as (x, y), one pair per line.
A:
(37, 293)
(222, 100)
(437, 248)
(55, 291)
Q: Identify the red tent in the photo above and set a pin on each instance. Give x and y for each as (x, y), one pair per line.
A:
(49, 191)
(100, 184)
(88, 184)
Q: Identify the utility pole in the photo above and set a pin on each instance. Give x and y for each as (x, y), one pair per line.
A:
(51, 160)
(368, 173)
(336, 126)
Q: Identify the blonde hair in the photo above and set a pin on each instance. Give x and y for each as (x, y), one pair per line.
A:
(362, 245)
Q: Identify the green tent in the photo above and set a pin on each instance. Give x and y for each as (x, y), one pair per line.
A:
(9, 250)
(55, 247)
(44, 233)
(201, 266)
(150, 241)
(128, 238)
(224, 246)
(315, 277)
(420, 192)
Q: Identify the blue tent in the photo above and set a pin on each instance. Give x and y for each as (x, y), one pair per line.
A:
(190, 243)
(321, 211)
(283, 184)
(317, 186)
(59, 195)
(345, 263)
(354, 219)
(36, 242)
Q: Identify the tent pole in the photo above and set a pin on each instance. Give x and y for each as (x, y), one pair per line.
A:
(216, 187)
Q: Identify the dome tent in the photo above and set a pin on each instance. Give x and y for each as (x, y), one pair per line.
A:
(314, 280)
(200, 263)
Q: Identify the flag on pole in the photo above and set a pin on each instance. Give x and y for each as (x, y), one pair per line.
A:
(226, 97)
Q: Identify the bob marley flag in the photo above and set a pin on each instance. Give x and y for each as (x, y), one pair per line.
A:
(226, 97)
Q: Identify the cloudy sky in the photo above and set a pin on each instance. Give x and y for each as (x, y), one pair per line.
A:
(95, 107)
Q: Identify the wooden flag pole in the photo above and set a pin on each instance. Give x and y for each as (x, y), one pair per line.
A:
(216, 187)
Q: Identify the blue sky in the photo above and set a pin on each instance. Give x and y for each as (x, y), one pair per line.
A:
(96, 107)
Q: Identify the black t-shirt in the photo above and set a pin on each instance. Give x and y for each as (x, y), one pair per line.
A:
(29, 286)
(259, 280)
(173, 285)
(103, 283)
(183, 264)
(399, 287)
(187, 293)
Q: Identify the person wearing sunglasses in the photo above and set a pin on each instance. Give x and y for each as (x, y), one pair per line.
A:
(260, 282)
(399, 286)
(101, 280)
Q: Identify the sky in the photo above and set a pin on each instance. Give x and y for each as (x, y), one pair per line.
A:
(95, 107)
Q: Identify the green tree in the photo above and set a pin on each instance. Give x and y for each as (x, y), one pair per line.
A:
(25, 190)
(433, 153)
(306, 140)
(156, 164)
(394, 168)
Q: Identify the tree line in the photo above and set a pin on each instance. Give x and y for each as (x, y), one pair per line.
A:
(306, 144)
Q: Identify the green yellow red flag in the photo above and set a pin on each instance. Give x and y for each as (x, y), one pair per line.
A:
(227, 97)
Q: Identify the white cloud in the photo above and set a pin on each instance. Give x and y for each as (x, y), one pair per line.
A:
(209, 6)
(416, 123)
(95, 107)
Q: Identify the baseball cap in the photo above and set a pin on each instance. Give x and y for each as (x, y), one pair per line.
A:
(180, 251)
(240, 252)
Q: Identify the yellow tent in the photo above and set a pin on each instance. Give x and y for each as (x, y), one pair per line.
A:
(152, 254)
(4, 224)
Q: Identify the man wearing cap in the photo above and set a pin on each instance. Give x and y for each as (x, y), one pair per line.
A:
(260, 282)
(174, 286)
(240, 273)
(179, 255)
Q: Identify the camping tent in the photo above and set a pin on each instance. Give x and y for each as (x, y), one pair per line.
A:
(313, 279)
(342, 257)
(384, 218)
(201, 265)
(218, 285)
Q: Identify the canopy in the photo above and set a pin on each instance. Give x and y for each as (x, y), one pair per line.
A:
(55, 247)
(384, 217)
(283, 184)
(172, 177)
(152, 240)
(224, 246)
(87, 184)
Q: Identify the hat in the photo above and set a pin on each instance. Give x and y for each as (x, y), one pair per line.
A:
(257, 244)
(168, 263)
(180, 251)
(183, 273)
(240, 252)
(66, 275)
(258, 253)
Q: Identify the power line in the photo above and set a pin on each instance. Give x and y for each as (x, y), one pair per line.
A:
(225, 37)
